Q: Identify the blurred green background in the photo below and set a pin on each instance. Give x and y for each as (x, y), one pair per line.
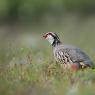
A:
(26, 66)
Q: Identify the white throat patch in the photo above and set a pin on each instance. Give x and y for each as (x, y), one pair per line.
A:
(50, 39)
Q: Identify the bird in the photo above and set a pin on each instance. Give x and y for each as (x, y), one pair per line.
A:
(68, 55)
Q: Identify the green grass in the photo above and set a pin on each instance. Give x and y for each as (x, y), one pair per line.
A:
(42, 78)
(33, 72)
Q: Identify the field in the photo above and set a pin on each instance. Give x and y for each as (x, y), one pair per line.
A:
(26, 62)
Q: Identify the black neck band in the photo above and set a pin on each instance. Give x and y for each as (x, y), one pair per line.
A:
(56, 42)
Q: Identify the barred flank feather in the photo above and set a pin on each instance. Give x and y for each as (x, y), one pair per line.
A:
(71, 55)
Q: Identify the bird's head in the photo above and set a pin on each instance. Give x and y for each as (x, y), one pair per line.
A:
(52, 38)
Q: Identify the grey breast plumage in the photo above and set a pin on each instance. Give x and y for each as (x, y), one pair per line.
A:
(67, 54)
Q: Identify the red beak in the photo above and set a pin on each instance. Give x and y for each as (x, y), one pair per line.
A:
(44, 36)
